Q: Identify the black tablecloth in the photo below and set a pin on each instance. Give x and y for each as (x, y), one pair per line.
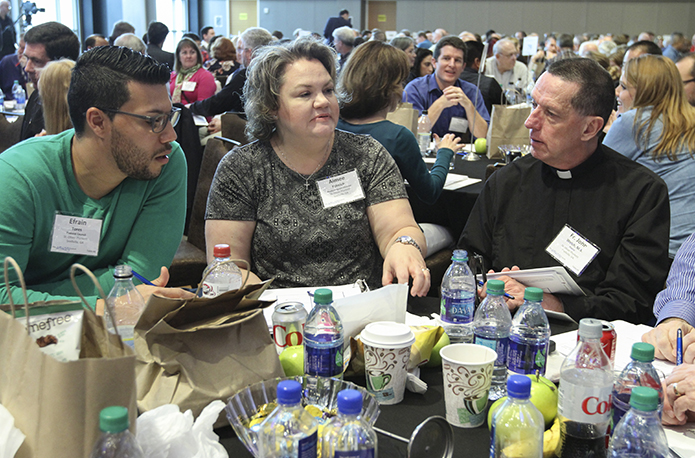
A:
(403, 418)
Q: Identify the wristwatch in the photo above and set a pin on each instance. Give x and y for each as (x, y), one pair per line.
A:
(408, 240)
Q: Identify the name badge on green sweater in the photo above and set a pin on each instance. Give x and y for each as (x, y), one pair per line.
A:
(76, 235)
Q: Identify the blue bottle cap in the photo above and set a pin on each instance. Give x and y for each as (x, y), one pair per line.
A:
(519, 386)
(533, 294)
(349, 402)
(643, 352)
(289, 392)
(114, 419)
(495, 287)
(644, 398)
(460, 255)
(323, 296)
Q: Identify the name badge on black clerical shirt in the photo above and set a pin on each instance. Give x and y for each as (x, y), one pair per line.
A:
(76, 235)
(572, 250)
(341, 189)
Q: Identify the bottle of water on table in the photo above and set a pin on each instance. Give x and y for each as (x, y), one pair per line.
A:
(19, 95)
(424, 128)
(289, 431)
(639, 433)
(125, 302)
(491, 327)
(584, 397)
(224, 276)
(348, 435)
(457, 304)
(323, 338)
(529, 336)
(638, 372)
(116, 441)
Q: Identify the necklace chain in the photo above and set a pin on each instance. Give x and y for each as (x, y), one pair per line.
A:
(291, 167)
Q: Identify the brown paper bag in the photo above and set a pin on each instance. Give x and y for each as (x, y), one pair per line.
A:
(507, 128)
(193, 352)
(57, 404)
(404, 115)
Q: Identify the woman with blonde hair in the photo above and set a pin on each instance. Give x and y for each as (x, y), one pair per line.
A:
(53, 89)
(371, 84)
(657, 129)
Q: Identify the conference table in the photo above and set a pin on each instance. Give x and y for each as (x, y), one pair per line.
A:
(452, 208)
(401, 419)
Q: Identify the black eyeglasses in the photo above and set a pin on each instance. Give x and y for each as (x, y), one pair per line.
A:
(688, 81)
(158, 123)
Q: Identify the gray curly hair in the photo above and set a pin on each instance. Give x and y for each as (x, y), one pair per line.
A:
(266, 75)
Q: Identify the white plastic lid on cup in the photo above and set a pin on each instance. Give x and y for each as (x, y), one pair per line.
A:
(387, 334)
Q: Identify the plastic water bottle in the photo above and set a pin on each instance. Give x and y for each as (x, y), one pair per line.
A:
(520, 91)
(517, 425)
(510, 93)
(323, 338)
(126, 303)
(584, 398)
(639, 433)
(2, 99)
(458, 299)
(347, 435)
(424, 128)
(221, 278)
(289, 431)
(491, 327)
(639, 372)
(530, 336)
(19, 95)
(116, 441)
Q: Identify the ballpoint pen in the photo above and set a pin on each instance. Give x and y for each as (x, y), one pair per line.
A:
(679, 346)
(507, 295)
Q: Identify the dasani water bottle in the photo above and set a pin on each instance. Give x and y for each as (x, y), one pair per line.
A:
(529, 336)
(323, 338)
(348, 435)
(639, 433)
(458, 299)
(116, 441)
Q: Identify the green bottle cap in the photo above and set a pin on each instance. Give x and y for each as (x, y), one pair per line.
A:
(114, 419)
(643, 352)
(495, 287)
(644, 398)
(533, 294)
(460, 255)
(323, 296)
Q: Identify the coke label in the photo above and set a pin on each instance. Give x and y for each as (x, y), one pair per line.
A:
(584, 404)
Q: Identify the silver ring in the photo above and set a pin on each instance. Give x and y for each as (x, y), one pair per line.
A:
(675, 390)
(425, 269)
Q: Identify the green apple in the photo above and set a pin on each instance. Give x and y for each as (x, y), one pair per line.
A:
(543, 396)
(435, 357)
(292, 360)
(480, 145)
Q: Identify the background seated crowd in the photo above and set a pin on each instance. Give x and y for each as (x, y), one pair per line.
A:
(318, 197)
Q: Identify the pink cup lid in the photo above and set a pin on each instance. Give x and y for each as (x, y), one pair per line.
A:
(387, 334)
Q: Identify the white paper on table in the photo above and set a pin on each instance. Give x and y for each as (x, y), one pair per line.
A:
(680, 438)
(553, 280)
(455, 181)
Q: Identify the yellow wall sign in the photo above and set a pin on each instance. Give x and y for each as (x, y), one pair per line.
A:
(381, 18)
(243, 16)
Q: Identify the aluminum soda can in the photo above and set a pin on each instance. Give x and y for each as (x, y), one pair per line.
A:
(608, 340)
(288, 325)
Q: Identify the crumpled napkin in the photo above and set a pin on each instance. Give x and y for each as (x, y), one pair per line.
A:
(165, 432)
(11, 438)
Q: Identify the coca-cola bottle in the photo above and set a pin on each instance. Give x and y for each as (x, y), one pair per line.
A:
(584, 404)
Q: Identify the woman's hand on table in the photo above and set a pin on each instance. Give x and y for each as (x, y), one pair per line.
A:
(679, 395)
(450, 141)
(159, 288)
(663, 337)
(403, 262)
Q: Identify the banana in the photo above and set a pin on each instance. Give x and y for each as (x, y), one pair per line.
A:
(551, 439)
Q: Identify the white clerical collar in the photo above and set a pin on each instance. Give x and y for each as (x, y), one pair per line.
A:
(564, 174)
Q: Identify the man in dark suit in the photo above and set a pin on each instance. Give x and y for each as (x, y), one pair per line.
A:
(156, 34)
(342, 20)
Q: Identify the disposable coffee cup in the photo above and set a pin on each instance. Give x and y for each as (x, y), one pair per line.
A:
(386, 355)
(467, 371)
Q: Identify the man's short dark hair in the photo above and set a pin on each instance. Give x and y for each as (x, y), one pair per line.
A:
(451, 40)
(596, 91)
(92, 40)
(204, 31)
(101, 76)
(646, 46)
(474, 50)
(192, 36)
(342, 12)
(565, 40)
(58, 40)
(157, 32)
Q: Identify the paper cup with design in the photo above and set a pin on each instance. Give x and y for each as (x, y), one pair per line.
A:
(386, 354)
(467, 371)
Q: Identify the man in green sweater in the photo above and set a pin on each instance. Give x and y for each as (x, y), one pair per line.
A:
(112, 191)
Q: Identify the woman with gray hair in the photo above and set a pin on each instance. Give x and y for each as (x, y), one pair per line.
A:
(407, 45)
(305, 203)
